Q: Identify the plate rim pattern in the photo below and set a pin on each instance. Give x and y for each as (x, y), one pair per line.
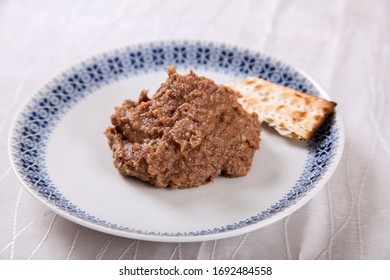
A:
(32, 127)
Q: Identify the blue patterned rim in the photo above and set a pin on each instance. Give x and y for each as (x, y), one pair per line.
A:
(44, 111)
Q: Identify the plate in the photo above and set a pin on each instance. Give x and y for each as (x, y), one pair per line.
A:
(61, 156)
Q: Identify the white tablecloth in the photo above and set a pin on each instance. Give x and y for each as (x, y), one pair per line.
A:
(343, 44)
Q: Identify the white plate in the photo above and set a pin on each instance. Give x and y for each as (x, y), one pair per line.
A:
(61, 156)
